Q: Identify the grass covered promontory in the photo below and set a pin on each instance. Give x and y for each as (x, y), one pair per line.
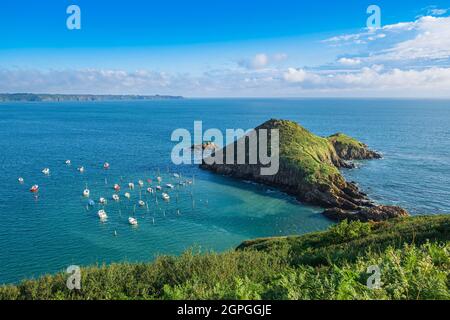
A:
(309, 170)
(412, 254)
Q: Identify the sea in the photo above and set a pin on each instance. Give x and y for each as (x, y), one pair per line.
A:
(47, 232)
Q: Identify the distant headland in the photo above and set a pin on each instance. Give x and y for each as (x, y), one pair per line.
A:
(30, 97)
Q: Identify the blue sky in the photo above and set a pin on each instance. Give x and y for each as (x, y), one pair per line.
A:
(226, 48)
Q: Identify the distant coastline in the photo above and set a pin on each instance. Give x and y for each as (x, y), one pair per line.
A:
(31, 97)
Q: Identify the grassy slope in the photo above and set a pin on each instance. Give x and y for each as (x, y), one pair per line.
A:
(305, 151)
(345, 140)
(325, 265)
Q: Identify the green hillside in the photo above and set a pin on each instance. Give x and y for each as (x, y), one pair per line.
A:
(412, 253)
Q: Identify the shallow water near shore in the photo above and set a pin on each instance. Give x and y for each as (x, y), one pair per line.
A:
(47, 234)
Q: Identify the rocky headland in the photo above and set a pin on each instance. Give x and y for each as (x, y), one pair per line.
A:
(309, 170)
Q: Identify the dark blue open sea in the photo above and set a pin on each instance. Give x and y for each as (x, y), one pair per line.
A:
(47, 234)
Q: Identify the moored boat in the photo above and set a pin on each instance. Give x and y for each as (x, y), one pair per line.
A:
(132, 221)
(165, 196)
(34, 188)
(102, 214)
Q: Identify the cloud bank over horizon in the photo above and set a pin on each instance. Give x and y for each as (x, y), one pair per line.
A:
(406, 59)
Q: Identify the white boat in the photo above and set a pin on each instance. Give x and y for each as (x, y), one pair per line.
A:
(46, 171)
(80, 169)
(127, 195)
(132, 221)
(86, 193)
(150, 190)
(165, 196)
(141, 203)
(169, 185)
(34, 188)
(20, 180)
(131, 185)
(159, 179)
(115, 197)
(68, 162)
(106, 165)
(141, 183)
(102, 200)
(158, 188)
(102, 214)
(176, 175)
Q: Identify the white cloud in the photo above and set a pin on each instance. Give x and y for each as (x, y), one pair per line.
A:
(374, 78)
(349, 61)
(259, 61)
(262, 61)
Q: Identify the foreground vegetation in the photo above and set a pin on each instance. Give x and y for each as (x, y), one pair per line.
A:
(412, 253)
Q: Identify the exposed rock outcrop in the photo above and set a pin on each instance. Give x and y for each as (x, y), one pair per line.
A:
(308, 169)
(374, 213)
(348, 148)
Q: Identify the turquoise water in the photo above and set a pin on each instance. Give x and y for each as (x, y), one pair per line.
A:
(48, 234)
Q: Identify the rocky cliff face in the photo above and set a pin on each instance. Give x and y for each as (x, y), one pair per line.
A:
(308, 169)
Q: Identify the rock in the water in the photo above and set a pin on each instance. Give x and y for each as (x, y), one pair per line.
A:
(206, 145)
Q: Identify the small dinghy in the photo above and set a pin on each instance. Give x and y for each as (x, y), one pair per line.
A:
(102, 214)
(102, 201)
(106, 166)
(116, 187)
(169, 185)
(20, 180)
(115, 197)
(165, 196)
(91, 203)
(46, 171)
(127, 195)
(132, 221)
(34, 188)
(141, 183)
(150, 190)
(131, 185)
(86, 193)
(80, 169)
(68, 162)
(159, 179)
(158, 188)
(141, 203)
(176, 175)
